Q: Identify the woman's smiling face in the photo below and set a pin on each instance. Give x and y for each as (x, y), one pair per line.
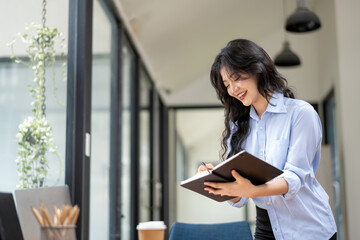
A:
(242, 86)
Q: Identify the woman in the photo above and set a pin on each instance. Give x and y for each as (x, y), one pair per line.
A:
(262, 117)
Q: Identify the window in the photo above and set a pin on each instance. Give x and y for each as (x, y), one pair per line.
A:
(100, 126)
(126, 108)
(14, 95)
(145, 148)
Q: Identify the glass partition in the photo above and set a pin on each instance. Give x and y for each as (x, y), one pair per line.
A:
(100, 126)
(145, 152)
(126, 108)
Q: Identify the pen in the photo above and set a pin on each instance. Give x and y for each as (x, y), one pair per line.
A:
(205, 167)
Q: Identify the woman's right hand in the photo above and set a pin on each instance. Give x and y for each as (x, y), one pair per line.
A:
(202, 168)
(209, 166)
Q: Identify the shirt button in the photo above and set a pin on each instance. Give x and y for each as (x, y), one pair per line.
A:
(260, 153)
(268, 203)
(261, 128)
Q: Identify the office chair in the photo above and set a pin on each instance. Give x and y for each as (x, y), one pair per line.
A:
(9, 222)
(218, 231)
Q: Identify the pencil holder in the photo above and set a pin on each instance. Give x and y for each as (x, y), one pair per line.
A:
(66, 232)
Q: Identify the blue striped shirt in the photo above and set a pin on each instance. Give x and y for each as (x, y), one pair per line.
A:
(288, 136)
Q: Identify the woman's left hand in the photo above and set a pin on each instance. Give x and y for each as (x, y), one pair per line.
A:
(241, 187)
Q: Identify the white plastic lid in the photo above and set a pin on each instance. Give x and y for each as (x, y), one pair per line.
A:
(151, 225)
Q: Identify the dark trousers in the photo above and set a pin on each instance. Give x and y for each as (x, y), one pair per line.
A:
(333, 237)
(263, 230)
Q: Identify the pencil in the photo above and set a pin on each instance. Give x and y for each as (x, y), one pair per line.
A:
(37, 216)
(205, 167)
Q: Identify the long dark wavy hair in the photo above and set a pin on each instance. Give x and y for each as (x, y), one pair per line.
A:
(241, 55)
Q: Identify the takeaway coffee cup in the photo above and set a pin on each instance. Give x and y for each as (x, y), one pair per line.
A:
(153, 230)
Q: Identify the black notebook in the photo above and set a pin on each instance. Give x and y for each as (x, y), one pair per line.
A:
(247, 165)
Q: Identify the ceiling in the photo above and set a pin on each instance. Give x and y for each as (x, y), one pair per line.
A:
(178, 40)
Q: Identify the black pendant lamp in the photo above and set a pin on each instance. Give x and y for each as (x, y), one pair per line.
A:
(286, 58)
(302, 20)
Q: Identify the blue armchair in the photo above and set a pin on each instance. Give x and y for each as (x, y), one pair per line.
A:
(218, 231)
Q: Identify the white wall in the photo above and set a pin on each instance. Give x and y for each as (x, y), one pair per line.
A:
(339, 49)
(327, 43)
(348, 99)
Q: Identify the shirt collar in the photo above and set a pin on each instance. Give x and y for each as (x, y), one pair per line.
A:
(276, 105)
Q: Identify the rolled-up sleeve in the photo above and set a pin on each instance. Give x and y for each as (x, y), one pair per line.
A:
(240, 203)
(304, 150)
(294, 183)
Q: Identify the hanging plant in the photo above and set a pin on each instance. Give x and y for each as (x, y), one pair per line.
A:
(35, 140)
(35, 136)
